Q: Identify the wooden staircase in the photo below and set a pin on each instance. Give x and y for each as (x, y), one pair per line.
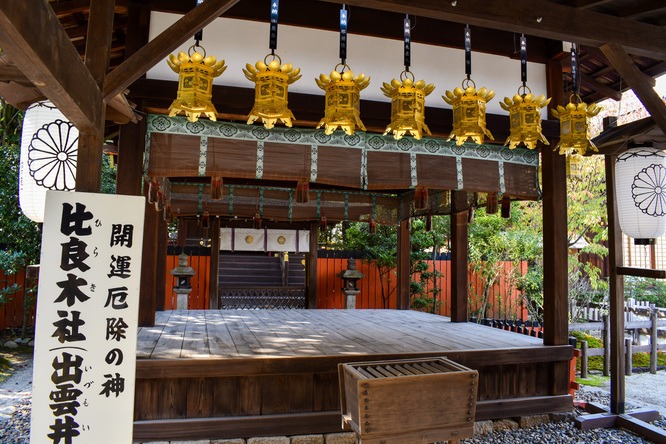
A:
(258, 280)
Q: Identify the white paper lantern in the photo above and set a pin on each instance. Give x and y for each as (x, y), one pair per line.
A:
(49, 146)
(640, 187)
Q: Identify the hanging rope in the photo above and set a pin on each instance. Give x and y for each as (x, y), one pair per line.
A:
(275, 6)
(523, 60)
(575, 71)
(468, 52)
(408, 43)
(343, 35)
(198, 37)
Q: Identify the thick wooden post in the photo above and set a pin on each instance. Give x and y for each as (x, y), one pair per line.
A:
(161, 274)
(148, 267)
(214, 275)
(311, 301)
(404, 248)
(131, 144)
(555, 261)
(616, 293)
(459, 258)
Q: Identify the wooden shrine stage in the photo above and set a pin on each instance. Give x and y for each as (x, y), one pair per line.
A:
(243, 373)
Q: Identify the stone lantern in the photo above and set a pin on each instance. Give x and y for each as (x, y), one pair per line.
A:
(350, 278)
(183, 285)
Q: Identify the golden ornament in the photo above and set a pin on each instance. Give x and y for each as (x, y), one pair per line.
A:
(525, 118)
(270, 94)
(195, 83)
(407, 106)
(469, 112)
(343, 100)
(574, 126)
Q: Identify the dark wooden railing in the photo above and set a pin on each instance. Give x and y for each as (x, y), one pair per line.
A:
(262, 297)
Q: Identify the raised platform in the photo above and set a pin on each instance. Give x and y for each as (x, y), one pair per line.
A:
(241, 373)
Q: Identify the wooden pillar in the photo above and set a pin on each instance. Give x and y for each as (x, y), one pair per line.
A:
(214, 274)
(148, 267)
(555, 248)
(404, 249)
(182, 233)
(459, 259)
(161, 274)
(616, 293)
(89, 155)
(131, 145)
(311, 297)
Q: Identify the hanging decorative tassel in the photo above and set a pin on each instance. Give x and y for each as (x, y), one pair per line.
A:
(168, 213)
(506, 207)
(470, 215)
(216, 187)
(372, 226)
(491, 203)
(303, 192)
(152, 190)
(159, 202)
(428, 223)
(323, 224)
(420, 198)
(205, 220)
(257, 221)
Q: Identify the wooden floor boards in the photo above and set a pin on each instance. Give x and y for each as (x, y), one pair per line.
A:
(285, 333)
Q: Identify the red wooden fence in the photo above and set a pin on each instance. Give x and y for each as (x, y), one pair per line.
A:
(504, 302)
(11, 313)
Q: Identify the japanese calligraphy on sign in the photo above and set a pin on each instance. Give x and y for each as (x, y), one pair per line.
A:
(87, 314)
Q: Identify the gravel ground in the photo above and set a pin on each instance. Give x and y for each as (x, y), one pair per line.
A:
(643, 390)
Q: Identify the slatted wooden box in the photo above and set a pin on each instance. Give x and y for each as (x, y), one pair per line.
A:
(410, 401)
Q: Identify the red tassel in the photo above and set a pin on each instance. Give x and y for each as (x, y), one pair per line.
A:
(372, 226)
(323, 224)
(168, 213)
(159, 203)
(216, 187)
(491, 203)
(303, 192)
(506, 207)
(257, 221)
(428, 224)
(152, 190)
(205, 220)
(420, 198)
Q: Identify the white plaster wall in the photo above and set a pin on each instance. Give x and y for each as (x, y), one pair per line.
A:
(316, 52)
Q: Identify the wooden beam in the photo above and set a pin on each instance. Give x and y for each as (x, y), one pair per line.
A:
(616, 293)
(601, 88)
(214, 276)
(459, 259)
(404, 249)
(158, 48)
(641, 272)
(312, 266)
(536, 17)
(131, 142)
(642, 428)
(637, 81)
(555, 251)
(35, 40)
(603, 419)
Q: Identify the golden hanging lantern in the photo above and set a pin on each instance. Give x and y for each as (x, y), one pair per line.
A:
(343, 100)
(195, 83)
(270, 94)
(574, 126)
(525, 117)
(469, 112)
(407, 106)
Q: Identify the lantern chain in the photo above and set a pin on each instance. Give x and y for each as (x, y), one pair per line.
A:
(198, 37)
(343, 35)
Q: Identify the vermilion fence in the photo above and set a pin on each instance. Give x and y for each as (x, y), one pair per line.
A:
(11, 313)
(504, 301)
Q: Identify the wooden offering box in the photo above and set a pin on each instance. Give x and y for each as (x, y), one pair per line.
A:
(411, 401)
